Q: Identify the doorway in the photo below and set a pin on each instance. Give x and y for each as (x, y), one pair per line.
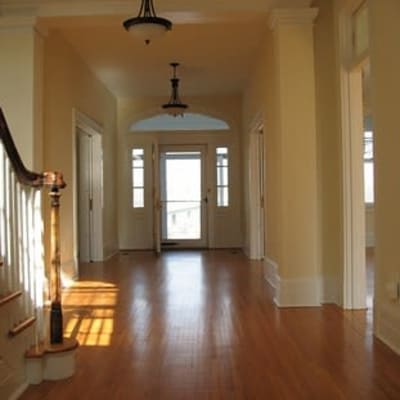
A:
(183, 199)
(90, 192)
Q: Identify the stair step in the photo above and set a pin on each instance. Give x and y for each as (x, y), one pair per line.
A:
(9, 297)
(20, 327)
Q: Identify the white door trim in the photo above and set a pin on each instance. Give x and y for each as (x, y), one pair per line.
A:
(256, 196)
(354, 263)
(83, 124)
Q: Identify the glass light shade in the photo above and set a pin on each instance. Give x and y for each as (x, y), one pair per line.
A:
(147, 31)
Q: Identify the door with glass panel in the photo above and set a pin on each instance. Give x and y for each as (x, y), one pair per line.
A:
(183, 196)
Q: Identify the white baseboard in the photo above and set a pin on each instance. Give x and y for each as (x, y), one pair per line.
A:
(303, 292)
(271, 272)
(387, 324)
(19, 391)
(111, 254)
(329, 289)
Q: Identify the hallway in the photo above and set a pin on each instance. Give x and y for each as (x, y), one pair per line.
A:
(202, 325)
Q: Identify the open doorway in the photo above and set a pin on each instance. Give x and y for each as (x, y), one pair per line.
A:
(369, 198)
(182, 196)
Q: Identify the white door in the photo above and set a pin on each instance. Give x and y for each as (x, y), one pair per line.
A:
(257, 196)
(183, 196)
(90, 192)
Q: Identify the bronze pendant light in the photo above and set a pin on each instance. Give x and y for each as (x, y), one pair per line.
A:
(147, 25)
(175, 107)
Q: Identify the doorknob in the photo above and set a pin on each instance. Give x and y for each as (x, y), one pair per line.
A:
(205, 199)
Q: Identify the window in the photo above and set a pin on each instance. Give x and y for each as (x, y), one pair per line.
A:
(368, 167)
(138, 177)
(222, 177)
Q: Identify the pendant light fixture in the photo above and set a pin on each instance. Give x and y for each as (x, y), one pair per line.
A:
(147, 25)
(175, 107)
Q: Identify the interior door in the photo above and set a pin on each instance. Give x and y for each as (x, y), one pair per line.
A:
(183, 196)
(90, 197)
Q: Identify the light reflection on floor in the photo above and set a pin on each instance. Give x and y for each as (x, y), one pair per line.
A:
(89, 312)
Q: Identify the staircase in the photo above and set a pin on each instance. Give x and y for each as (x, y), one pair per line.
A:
(30, 294)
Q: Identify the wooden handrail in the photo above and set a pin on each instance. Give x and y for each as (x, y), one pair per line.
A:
(25, 176)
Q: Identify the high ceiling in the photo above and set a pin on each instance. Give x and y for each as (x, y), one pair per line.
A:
(216, 41)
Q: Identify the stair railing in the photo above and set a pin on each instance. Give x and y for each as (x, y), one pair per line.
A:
(21, 241)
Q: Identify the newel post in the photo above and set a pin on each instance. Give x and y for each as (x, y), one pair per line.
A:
(55, 181)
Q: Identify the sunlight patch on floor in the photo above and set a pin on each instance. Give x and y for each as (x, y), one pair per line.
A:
(89, 307)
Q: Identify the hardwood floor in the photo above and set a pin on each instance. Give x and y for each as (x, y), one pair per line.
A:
(201, 325)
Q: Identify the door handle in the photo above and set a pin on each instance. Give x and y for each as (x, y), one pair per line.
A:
(205, 199)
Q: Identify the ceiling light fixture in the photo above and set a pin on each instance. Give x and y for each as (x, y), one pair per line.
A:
(175, 107)
(147, 25)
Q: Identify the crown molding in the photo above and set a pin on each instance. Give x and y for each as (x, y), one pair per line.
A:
(17, 22)
(292, 16)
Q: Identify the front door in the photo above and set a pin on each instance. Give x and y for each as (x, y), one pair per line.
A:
(182, 196)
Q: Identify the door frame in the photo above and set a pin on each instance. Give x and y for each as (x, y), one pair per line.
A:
(354, 262)
(203, 242)
(83, 124)
(257, 192)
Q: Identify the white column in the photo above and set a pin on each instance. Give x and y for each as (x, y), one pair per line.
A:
(295, 88)
(21, 50)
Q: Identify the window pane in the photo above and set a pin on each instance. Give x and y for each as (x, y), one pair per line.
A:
(222, 197)
(222, 159)
(137, 163)
(137, 153)
(222, 150)
(138, 197)
(183, 220)
(183, 179)
(138, 177)
(368, 146)
(222, 176)
(369, 182)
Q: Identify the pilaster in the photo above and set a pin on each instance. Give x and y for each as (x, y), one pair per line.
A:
(295, 97)
(21, 72)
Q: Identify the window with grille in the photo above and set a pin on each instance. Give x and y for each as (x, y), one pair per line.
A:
(222, 156)
(369, 167)
(138, 177)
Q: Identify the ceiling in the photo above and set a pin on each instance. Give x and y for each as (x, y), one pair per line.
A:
(215, 41)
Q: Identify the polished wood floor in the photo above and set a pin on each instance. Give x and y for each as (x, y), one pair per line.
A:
(199, 325)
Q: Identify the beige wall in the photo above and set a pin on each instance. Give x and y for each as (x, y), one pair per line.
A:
(20, 77)
(69, 85)
(385, 67)
(329, 153)
(260, 101)
(136, 225)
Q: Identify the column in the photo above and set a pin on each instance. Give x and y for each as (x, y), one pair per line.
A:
(293, 40)
(21, 49)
